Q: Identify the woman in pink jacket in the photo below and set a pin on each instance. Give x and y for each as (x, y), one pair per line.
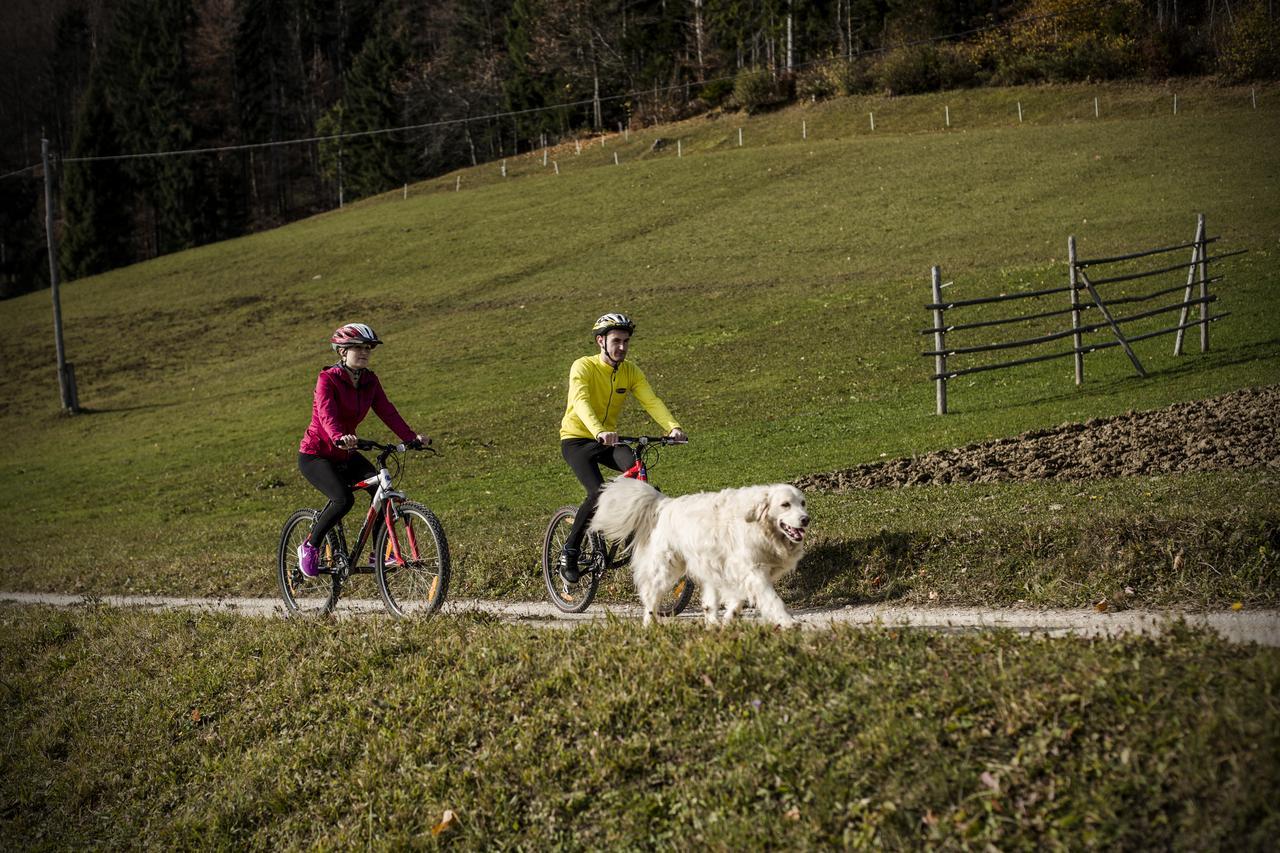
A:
(344, 394)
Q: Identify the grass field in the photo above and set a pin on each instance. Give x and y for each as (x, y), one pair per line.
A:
(220, 731)
(779, 288)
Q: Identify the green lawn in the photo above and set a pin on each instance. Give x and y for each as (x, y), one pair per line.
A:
(779, 288)
(216, 731)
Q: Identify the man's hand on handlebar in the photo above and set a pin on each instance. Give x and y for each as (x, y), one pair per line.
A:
(608, 439)
(677, 434)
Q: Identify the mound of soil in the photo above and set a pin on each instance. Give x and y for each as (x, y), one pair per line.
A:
(1234, 431)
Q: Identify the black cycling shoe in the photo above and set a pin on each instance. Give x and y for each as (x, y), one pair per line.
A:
(568, 566)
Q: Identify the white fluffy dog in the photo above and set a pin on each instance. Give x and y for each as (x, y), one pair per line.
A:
(734, 543)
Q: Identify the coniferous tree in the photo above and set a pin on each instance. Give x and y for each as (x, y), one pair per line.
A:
(377, 161)
(69, 65)
(24, 264)
(262, 97)
(97, 195)
(149, 83)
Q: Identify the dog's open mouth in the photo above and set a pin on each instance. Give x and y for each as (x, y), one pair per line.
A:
(795, 534)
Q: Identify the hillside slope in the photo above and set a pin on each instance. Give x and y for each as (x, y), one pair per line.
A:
(779, 287)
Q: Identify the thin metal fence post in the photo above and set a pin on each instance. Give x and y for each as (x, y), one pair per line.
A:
(939, 342)
(1196, 251)
(66, 380)
(1075, 310)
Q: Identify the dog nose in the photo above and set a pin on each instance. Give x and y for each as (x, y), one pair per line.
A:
(804, 521)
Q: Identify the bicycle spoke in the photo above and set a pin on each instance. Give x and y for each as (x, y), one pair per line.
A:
(302, 595)
(413, 569)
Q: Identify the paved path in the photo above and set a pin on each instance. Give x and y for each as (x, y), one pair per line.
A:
(1258, 626)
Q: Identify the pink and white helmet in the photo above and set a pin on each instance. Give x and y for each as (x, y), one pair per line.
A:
(352, 334)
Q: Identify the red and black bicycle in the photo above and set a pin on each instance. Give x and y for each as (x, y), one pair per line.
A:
(410, 553)
(598, 556)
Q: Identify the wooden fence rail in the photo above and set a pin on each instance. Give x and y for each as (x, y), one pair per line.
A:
(1080, 282)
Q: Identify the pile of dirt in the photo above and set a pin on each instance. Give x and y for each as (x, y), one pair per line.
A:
(1234, 431)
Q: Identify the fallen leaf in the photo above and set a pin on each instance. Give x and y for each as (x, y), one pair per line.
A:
(1239, 605)
(792, 813)
(990, 781)
(447, 821)
(1100, 606)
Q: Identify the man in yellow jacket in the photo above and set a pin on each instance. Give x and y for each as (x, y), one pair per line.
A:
(599, 386)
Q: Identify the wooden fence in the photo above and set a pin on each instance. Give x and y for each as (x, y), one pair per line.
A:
(1084, 277)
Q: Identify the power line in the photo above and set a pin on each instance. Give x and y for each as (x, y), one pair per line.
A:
(549, 108)
(30, 168)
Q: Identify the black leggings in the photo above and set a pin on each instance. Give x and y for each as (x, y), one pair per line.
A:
(585, 456)
(334, 480)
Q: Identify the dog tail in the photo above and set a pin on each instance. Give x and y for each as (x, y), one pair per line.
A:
(627, 511)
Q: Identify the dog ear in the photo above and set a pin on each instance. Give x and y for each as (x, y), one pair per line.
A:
(759, 508)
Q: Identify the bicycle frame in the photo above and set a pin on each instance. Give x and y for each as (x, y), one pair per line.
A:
(640, 445)
(386, 500)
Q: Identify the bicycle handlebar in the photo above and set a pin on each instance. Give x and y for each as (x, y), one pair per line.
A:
(369, 444)
(650, 439)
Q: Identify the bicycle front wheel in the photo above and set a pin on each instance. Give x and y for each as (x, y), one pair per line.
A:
(592, 561)
(304, 596)
(416, 583)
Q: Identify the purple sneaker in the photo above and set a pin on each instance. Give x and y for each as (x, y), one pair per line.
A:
(308, 557)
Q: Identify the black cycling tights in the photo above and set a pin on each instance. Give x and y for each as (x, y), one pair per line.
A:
(585, 456)
(334, 480)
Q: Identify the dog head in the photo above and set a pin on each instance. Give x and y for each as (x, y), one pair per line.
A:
(781, 509)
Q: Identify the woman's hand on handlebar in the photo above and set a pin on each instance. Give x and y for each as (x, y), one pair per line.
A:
(346, 442)
(420, 442)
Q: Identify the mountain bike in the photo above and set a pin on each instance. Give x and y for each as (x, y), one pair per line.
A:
(598, 556)
(410, 554)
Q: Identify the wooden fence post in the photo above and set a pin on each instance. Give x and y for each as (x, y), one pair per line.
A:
(939, 342)
(1075, 310)
(66, 371)
(1197, 253)
(1204, 284)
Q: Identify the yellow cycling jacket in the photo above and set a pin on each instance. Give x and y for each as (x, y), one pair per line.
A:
(597, 393)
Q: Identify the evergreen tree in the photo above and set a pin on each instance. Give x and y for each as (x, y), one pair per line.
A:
(24, 264)
(96, 195)
(149, 84)
(69, 64)
(262, 95)
(528, 86)
(377, 161)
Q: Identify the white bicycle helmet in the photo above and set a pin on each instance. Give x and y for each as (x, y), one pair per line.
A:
(352, 334)
(608, 322)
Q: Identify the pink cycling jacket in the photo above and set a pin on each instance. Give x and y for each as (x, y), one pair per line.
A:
(339, 407)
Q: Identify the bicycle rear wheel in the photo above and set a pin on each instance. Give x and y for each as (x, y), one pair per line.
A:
(675, 601)
(592, 562)
(416, 584)
(304, 596)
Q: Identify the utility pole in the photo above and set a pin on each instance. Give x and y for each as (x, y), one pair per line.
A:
(66, 372)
